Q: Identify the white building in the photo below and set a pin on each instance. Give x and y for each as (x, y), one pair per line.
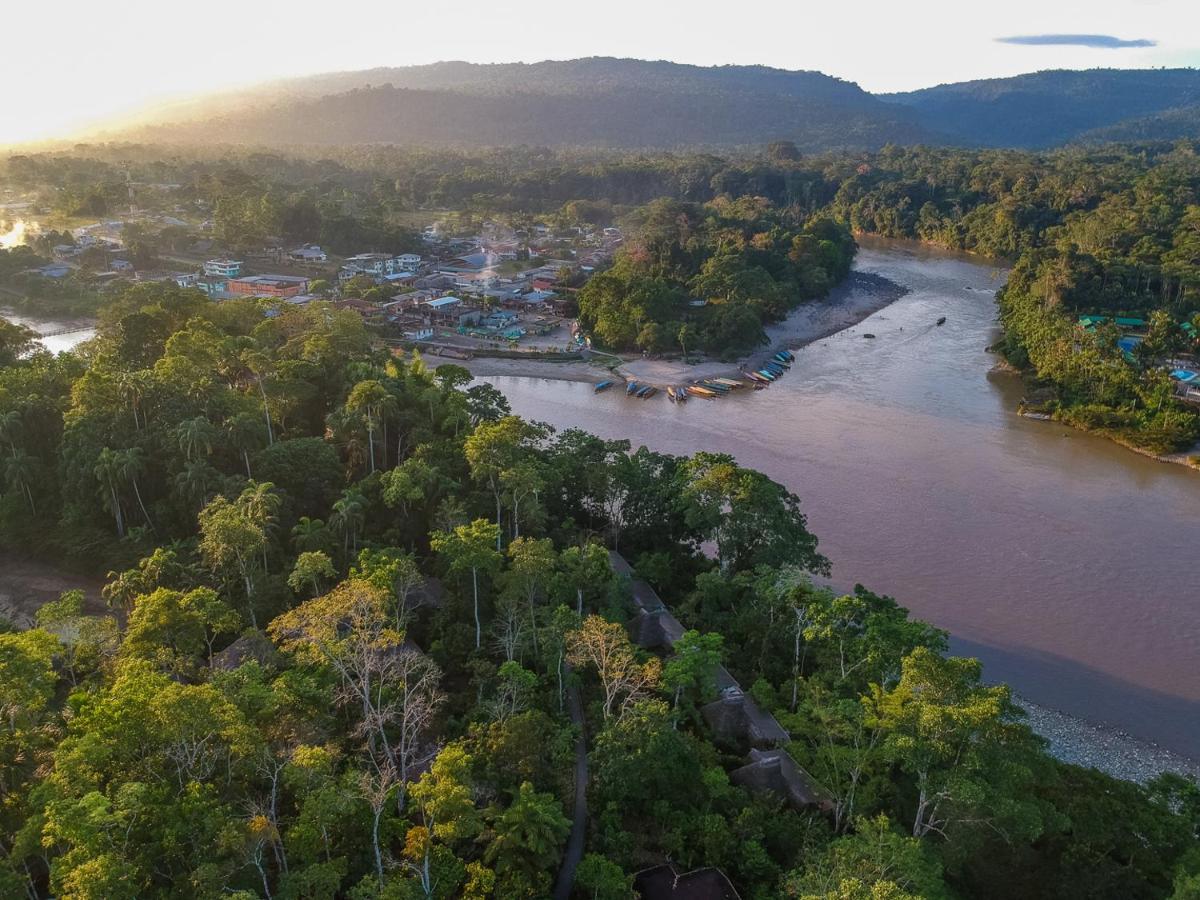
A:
(223, 268)
(408, 262)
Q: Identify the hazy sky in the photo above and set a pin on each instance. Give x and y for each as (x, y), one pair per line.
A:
(72, 62)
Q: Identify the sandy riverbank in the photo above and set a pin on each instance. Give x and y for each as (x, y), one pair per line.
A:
(861, 295)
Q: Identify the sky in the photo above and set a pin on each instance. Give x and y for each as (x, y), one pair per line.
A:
(72, 63)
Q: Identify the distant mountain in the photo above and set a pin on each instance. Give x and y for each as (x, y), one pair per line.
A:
(635, 104)
(597, 102)
(1045, 109)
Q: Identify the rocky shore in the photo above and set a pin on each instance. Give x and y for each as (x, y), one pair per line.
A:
(1113, 752)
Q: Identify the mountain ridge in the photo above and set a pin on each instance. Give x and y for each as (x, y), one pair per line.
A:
(656, 104)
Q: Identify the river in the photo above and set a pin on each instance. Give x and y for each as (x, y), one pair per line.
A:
(60, 335)
(1061, 560)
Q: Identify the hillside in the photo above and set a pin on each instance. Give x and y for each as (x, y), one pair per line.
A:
(597, 102)
(1045, 109)
(637, 104)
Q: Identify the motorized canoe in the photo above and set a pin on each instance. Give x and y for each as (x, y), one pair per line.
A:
(603, 386)
(728, 382)
(648, 392)
(631, 387)
(698, 391)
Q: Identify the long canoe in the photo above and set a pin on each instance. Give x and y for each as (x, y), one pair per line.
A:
(714, 386)
(681, 394)
(699, 391)
(728, 382)
(755, 378)
(603, 386)
(767, 374)
(649, 392)
(631, 387)
(671, 392)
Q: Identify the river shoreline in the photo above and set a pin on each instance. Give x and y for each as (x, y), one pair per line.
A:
(859, 296)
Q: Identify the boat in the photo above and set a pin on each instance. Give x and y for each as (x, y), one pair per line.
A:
(642, 391)
(869, 335)
(788, 355)
(768, 376)
(671, 392)
(774, 368)
(698, 391)
(681, 395)
(648, 392)
(728, 382)
(756, 379)
(782, 360)
(713, 386)
(603, 386)
(631, 387)
(942, 320)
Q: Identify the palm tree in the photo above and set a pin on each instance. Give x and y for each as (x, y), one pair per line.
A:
(259, 365)
(130, 464)
(10, 427)
(195, 482)
(195, 435)
(310, 535)
(18, 472)
(261, 505)
(107, 470)
(369, 399)
(349, 515)
(244, 435)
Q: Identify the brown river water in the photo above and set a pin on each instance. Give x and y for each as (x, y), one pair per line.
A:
(1066, 563)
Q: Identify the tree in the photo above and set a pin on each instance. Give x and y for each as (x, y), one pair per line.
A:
(693, 666)
(394, 686)
(349, 516)
(499, 456)
(231, 539)
(603, 879)
(529, 837)
(469, 548)
(874, 863)
(586, 571)
(605, 647)
(308, 571)
(945, 729)
(531, 564)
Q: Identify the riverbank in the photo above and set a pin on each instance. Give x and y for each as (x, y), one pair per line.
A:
(858, 296)
(1081, 743)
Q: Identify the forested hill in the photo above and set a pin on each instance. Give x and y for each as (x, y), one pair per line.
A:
(1046, 109)
(593, 102)
(628, 103)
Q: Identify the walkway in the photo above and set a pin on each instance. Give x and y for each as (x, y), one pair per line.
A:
(565, 881)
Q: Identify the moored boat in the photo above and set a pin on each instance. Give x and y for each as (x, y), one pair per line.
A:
(603, 386)
(671, 392)
(728, 382)
(648, 392)
(631, 387)
(767, 374)
(681, 394)
(699, 391)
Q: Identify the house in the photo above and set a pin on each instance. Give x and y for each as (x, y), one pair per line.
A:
(121, 265)
(212, 285)
(469, 262)
(225, 268)
(66, 251)
(268, 286)
(424, 333)
(409, 262)
(665, 882)
(54, 270)
(444, 305)
(185, 279)
(775, 772)
(374, 265)
(736, 720)
(309, 253)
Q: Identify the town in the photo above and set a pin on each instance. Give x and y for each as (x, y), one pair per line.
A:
(501, 289)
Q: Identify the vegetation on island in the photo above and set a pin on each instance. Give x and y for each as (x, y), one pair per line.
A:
(351, 600)
(710, 277)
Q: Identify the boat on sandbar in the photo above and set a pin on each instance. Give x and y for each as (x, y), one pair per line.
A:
(728, 382)
(697, 390)
(603, 386)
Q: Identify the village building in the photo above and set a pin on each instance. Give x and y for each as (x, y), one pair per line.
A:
(224, 268)
(309, 253)
(268, 285)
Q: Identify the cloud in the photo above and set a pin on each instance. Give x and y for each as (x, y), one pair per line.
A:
(1101, 41)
